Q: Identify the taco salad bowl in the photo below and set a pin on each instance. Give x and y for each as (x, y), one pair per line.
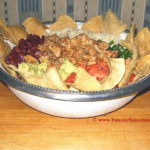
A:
(72, 104)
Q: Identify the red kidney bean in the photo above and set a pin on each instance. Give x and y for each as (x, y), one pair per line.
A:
(41, 41)
(29, 37)
(29, 44)
(24, 51)
(25, 47)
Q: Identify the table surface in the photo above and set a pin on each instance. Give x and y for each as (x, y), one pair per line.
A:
(23, 128)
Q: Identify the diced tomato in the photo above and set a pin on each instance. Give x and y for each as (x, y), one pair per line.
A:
(71, 78)
(100, 70)
(131, 78)
(83, 66)
(116, 86)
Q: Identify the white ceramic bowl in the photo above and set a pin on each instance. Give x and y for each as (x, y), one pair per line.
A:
(73, 104)
(70, 103)
(71, 109)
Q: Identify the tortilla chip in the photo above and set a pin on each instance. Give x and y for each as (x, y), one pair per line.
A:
(17, 33)
(85, 82)
(2, 23)
(94, 24)
(129, 41)
(12, 33)
(53, 77)
(116, 74)
(112, 24)
(50, 79)
(4, 52)
(4, 49)
(8, 69)
(63, 22)
(129, 68)
(34, 26)
(143, 65)
(143, 41)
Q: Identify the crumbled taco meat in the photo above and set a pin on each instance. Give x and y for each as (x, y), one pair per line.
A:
(81, 50)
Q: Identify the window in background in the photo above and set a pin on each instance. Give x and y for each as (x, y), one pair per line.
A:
(114, 5)
(28, 8)
(147, 14)
(70, 8)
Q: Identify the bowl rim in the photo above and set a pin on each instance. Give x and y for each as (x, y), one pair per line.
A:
(82, 96)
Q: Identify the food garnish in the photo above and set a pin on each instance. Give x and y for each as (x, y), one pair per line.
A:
(34, 26)
(64, 21)
(12, 33)
(94, 24)
(123, 52)
(112, 24)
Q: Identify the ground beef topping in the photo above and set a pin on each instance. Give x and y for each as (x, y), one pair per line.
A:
(80, 50)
